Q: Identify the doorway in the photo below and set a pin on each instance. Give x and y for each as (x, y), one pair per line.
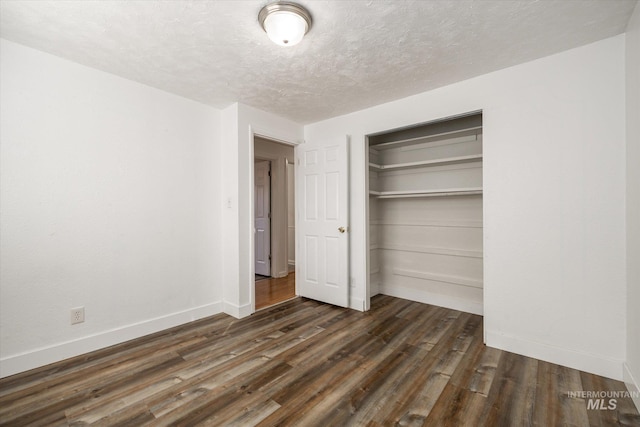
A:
(274, 222)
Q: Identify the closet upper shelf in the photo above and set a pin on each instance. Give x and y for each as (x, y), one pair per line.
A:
(469, 191)
(424, 139)
(435, 162)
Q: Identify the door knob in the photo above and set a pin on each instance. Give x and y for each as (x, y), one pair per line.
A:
(342, 229)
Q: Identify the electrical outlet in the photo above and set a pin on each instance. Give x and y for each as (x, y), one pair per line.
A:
(77, 315)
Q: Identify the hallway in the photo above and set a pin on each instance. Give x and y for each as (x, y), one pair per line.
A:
(270, 291)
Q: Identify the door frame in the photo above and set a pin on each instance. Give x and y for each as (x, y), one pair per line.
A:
(254, 132)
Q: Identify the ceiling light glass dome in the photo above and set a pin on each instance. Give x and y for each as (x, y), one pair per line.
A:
(285, 23)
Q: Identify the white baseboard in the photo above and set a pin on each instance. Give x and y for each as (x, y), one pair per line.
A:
(595, 364)
(432, 298)
(237, 311)
(43, 356)
(632, 385)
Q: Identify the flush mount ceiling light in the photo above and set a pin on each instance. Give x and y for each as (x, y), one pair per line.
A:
(284, 22)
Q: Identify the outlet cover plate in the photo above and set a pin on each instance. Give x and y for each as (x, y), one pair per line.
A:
(77, 315)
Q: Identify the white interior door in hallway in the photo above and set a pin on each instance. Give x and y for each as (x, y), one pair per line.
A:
(262, 231)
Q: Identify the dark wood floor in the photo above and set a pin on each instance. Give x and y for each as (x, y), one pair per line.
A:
(270, 291)
(303, 363)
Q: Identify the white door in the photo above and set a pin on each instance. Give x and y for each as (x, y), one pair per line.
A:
(262, 205)
(323, 252)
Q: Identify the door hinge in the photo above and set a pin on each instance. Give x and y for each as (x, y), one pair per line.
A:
(269, 173)
(269, 257)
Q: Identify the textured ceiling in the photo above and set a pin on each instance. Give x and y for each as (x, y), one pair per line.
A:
(357, 54)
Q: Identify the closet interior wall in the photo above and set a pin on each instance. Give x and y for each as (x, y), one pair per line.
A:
(425, 213)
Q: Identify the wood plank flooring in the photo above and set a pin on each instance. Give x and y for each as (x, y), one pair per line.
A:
(304, 363)
(270, 291)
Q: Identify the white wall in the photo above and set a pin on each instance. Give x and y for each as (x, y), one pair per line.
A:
(553, 172)
(269, 150)
(632, 371)
(230, 230)
(110, 194)
(239, 124)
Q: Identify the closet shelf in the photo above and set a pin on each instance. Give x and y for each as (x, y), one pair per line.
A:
(445, 278)
(427, 193)
(428, 223)
(463, 253)
(437, 162)
(422, 139)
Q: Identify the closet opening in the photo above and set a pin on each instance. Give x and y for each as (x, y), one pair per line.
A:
(425, 227)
